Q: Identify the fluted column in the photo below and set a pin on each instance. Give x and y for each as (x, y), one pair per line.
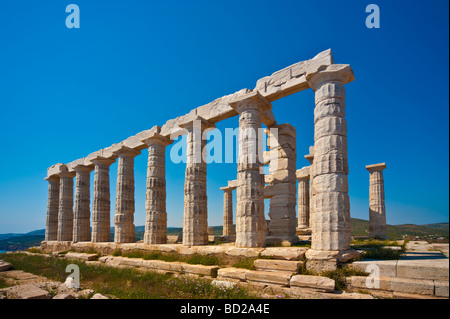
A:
(82, 210)
(155, 202)
(101, 204)
(331, 219)
(377, 208)
(124, 217)
(195, 219)
(51, 229)
(65, 212)
(303, 198)
(228, 229)
(310, 158)
(250, 219)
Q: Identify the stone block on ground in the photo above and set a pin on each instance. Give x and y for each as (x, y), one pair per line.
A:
(27, 291)
(290, 253)
(232, 273)
(81, 256)
(288, 266)
(278, 278)
(4, 265)
(317, 283)
(200, 270)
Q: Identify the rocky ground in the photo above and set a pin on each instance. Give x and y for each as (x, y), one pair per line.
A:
(23, 285)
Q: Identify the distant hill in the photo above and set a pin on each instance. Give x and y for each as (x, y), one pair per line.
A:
(360, 227)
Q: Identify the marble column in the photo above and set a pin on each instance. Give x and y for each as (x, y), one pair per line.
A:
(195, 219)
(330, 221)
(82, 210)
(250, 219)
(155, 202)
(65, 212)
(282, 168)
(377, 208)
(228, 229)
(310, 158)
(303, 198)
(51, 229)
(124, 217)
(101, 204)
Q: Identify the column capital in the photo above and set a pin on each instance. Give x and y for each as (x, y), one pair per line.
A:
(376, 167)
(228, 188)
(302, 173)
(251, 99)
(156, 138)
(310, 157)
(124, 151)
(198, 121)
(67, 174)
(102, 160)
(342, 73)
(53, 178)
(83, 168)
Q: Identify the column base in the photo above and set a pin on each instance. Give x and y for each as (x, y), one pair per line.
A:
(328, 260)
(284, 241)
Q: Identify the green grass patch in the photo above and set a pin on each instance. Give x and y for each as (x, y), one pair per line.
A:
(340, 274)
(246, 263)
(382, 253)
(126, 283)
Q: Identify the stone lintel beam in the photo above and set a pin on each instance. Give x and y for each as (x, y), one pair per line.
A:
(55, 169)
(233, 183)
(293, 78)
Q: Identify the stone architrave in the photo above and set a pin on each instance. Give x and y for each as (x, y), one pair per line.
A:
(330, 221)
(155, 202)
(51, 229)
(250, 219)
(65, 212)
(228, 229)
(82, 211)
(377, 208)
(303, 197)
(101, 206)
(195, 218)
(124, 217)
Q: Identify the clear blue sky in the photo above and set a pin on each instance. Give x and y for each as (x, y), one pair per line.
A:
(65, 93)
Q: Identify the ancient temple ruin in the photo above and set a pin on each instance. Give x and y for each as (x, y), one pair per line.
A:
(323, 201)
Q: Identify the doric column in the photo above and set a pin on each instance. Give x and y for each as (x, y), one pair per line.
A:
(250, 219)
(303, 197)
(124, 217)
(228, 229)
(51, 229)
(65, 212)
(330, 221)
(82, 210)
(101, 204)
(155, 201)
(282, 167)
(310, 158)
(195, 219)
(377, 208)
